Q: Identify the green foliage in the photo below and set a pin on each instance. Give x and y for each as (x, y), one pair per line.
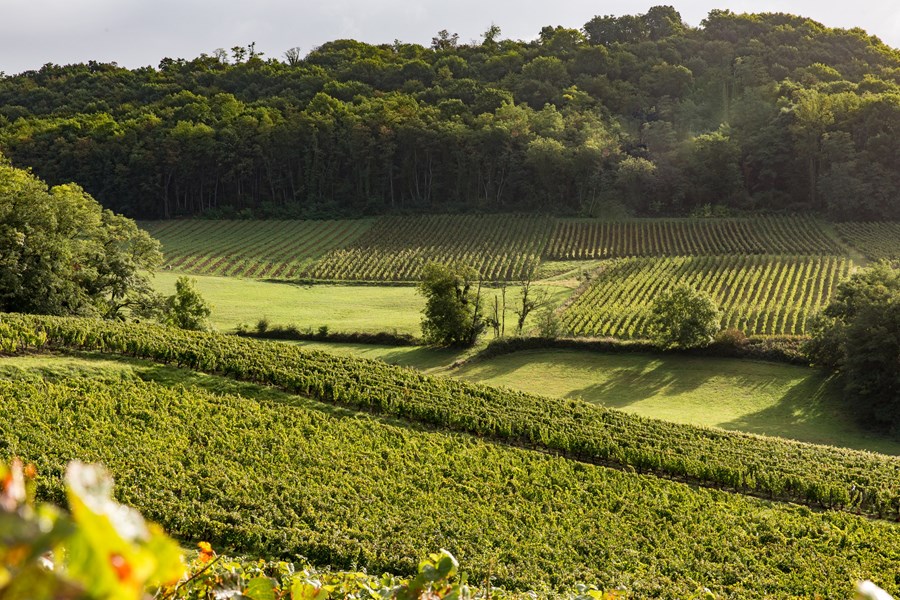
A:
(61, 253)
(186, 308)
(624, 108)
(548, 323)
(815, 475)
(281, 478)
(265, 580)
(859, 335)
(105, 551)
(452, 315)
(683, 317)
(101, 550)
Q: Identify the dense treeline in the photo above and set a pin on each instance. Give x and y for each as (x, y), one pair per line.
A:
(637, 114)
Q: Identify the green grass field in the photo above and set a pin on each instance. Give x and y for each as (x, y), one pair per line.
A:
(735, 394)
(344, 308)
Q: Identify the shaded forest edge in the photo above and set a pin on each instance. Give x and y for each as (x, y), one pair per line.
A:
(635, 115)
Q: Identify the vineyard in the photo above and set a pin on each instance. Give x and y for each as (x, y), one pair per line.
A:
(580, 239)
(257, 249)
(769, 274)
(877, 241)
(279, 479)
(762, 295)
(803, 473)
(500, 248)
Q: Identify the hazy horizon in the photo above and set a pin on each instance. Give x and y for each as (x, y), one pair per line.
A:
(136, 33)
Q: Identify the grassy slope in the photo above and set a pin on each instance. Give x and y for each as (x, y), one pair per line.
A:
(347, 308)
(736, 394)
(486, 503)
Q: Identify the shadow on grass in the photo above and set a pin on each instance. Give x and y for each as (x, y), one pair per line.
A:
(625, 386)
(815, 411)
(642, 377)
(422, 357)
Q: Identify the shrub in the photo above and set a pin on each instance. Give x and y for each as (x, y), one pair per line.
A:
(186, 308)
(684, 318)
(452, 314)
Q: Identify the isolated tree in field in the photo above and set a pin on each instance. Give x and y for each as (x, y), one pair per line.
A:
(62, 254)
(858, 335)
(452, 314)
(186, 308)
(683, 317)
(529, 301)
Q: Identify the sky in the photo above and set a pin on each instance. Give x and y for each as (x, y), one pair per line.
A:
(136, 33)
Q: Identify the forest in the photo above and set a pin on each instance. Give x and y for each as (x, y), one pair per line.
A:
(638, 115)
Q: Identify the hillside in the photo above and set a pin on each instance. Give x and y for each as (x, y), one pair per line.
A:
(635, 115)
(212, 457)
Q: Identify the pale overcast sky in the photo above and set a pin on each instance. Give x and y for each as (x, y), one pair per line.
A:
(140, 32)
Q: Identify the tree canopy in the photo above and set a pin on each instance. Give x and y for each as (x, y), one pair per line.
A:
(684, 317)
(640, 114)
(452, 315)
(858, 335)
(61, 253)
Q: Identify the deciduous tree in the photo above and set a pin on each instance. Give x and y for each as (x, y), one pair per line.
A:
(452, 314)
(684, 317)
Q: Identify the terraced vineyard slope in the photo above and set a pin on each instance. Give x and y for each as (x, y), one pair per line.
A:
(270, 473)
(279, 479)
(500, 247)
(815, 475)
(765, 295)
(877, 241)
(578, 239)
(257, 249)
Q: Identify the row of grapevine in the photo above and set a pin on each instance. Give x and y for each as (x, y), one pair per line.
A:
(815, 475)
(282, 479)
(764, 295)
(259, 249)
(396, 248)
(877, 241)
(579, 239)
(500, 247)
